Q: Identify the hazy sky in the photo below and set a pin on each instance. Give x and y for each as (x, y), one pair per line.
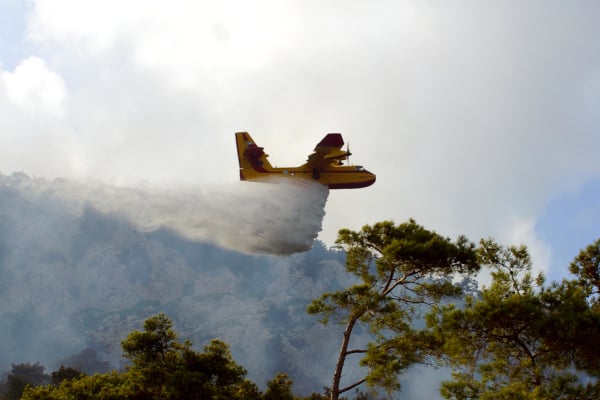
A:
(479, 118)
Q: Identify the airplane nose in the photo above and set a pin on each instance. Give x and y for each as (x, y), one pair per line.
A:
(371, 180)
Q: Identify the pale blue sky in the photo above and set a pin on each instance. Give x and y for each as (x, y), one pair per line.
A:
(477, 117)
(569, 223)
(13, 46)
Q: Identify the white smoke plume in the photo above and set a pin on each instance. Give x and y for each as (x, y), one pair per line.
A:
(280, 217)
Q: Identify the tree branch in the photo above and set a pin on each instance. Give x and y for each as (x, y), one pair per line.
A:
(389, 282)
(363, 380)
(355, 351)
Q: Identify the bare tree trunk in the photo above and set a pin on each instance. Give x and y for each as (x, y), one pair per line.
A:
(339, 366)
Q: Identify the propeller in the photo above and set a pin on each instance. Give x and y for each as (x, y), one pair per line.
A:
(348, 154)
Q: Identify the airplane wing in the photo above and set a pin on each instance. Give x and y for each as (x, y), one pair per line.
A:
(329, 150)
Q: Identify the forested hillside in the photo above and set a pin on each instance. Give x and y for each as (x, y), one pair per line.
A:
(72, 278)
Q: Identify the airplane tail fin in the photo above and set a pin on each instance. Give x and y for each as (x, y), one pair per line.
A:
(252, 158)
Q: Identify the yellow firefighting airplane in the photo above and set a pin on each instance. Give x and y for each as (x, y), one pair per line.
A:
(325, 165)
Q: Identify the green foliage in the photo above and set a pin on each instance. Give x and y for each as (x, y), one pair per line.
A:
(407, 249)
(401, 269)
(156, 345)
(162, 368)
(110, 386)
(64, 373)
(279, 388)
(520, 339)
(586, 266)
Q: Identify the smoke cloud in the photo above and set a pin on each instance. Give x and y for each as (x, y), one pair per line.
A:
(278, 217)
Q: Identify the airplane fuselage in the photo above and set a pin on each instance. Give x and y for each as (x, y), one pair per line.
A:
(342, 177)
